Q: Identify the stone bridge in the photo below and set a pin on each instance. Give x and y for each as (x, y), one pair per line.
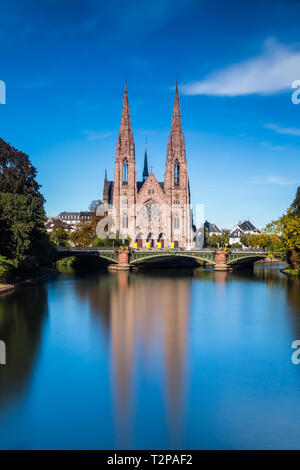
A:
(125, 260)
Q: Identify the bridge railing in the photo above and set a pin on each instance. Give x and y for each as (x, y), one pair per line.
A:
(248, 250)
(84, 248)
(161, 250)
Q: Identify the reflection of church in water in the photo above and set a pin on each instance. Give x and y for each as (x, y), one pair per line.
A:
(146, 320)
(150, 211)
(145, 317)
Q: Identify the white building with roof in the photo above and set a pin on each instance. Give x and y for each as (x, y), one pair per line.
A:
(241, 229)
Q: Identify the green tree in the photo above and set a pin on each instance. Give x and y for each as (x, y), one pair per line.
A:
(59, 236)
(218, 240)
(6, 266)
(224, 237)
(285, 233)
(84, 234)
(23, 237)
(206, 237)
(245, 239)
(213, 240)
(17, 174)
(296, 204)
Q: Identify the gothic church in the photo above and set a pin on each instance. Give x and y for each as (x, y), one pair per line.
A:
(152, 213)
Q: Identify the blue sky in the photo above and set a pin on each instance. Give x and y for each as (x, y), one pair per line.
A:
(64, 64)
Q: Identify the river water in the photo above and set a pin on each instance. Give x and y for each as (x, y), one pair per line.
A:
(188, 359)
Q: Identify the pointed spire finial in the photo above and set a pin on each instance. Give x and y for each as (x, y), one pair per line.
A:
(176, 118)
(105, 189)
(176, 145)
(145, 171)
(125, 134)
(125, 119)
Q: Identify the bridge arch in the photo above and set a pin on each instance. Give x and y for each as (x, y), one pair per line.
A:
(107, 255)
(156, 256)
(243, 258)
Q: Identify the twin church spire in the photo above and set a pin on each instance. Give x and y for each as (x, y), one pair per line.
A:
(176, 144)
(176, 126)
(126, 193)
(125, 144)
(145, 171)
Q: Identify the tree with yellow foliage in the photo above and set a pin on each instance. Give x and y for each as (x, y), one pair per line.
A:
(84, 234)
(285, 233)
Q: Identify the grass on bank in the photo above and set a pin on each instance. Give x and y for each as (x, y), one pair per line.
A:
(293, 272)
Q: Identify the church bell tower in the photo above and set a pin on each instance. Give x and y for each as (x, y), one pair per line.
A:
(124, 192)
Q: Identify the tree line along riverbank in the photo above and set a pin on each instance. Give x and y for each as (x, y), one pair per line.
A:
(27, 251)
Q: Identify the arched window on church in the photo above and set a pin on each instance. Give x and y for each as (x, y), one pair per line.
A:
(176, 221)
(125, 171)
(176, 173)
(125, 220)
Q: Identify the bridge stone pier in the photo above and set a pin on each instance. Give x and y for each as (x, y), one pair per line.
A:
(221, 261)
(123, 262)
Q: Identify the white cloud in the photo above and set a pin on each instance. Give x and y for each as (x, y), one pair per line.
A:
(271, 72)
(283, 130)
(272, 179)
(94, 135)
(269, 145)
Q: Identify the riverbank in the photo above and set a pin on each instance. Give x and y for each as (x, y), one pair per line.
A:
(5, 288)
(270, 261)
(290, 272)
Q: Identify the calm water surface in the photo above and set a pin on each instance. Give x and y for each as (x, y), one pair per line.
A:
(186, 359)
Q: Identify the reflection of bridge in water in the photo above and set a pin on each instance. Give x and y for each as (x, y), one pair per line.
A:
(125, 260)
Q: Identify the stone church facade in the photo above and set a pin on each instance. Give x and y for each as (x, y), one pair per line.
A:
(150, 212)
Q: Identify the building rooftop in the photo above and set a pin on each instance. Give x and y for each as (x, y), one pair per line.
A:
(243, 227)
(212, 227)
(248, 226)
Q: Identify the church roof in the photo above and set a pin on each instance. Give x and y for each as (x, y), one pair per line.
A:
(109, 189)
(140, 184)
